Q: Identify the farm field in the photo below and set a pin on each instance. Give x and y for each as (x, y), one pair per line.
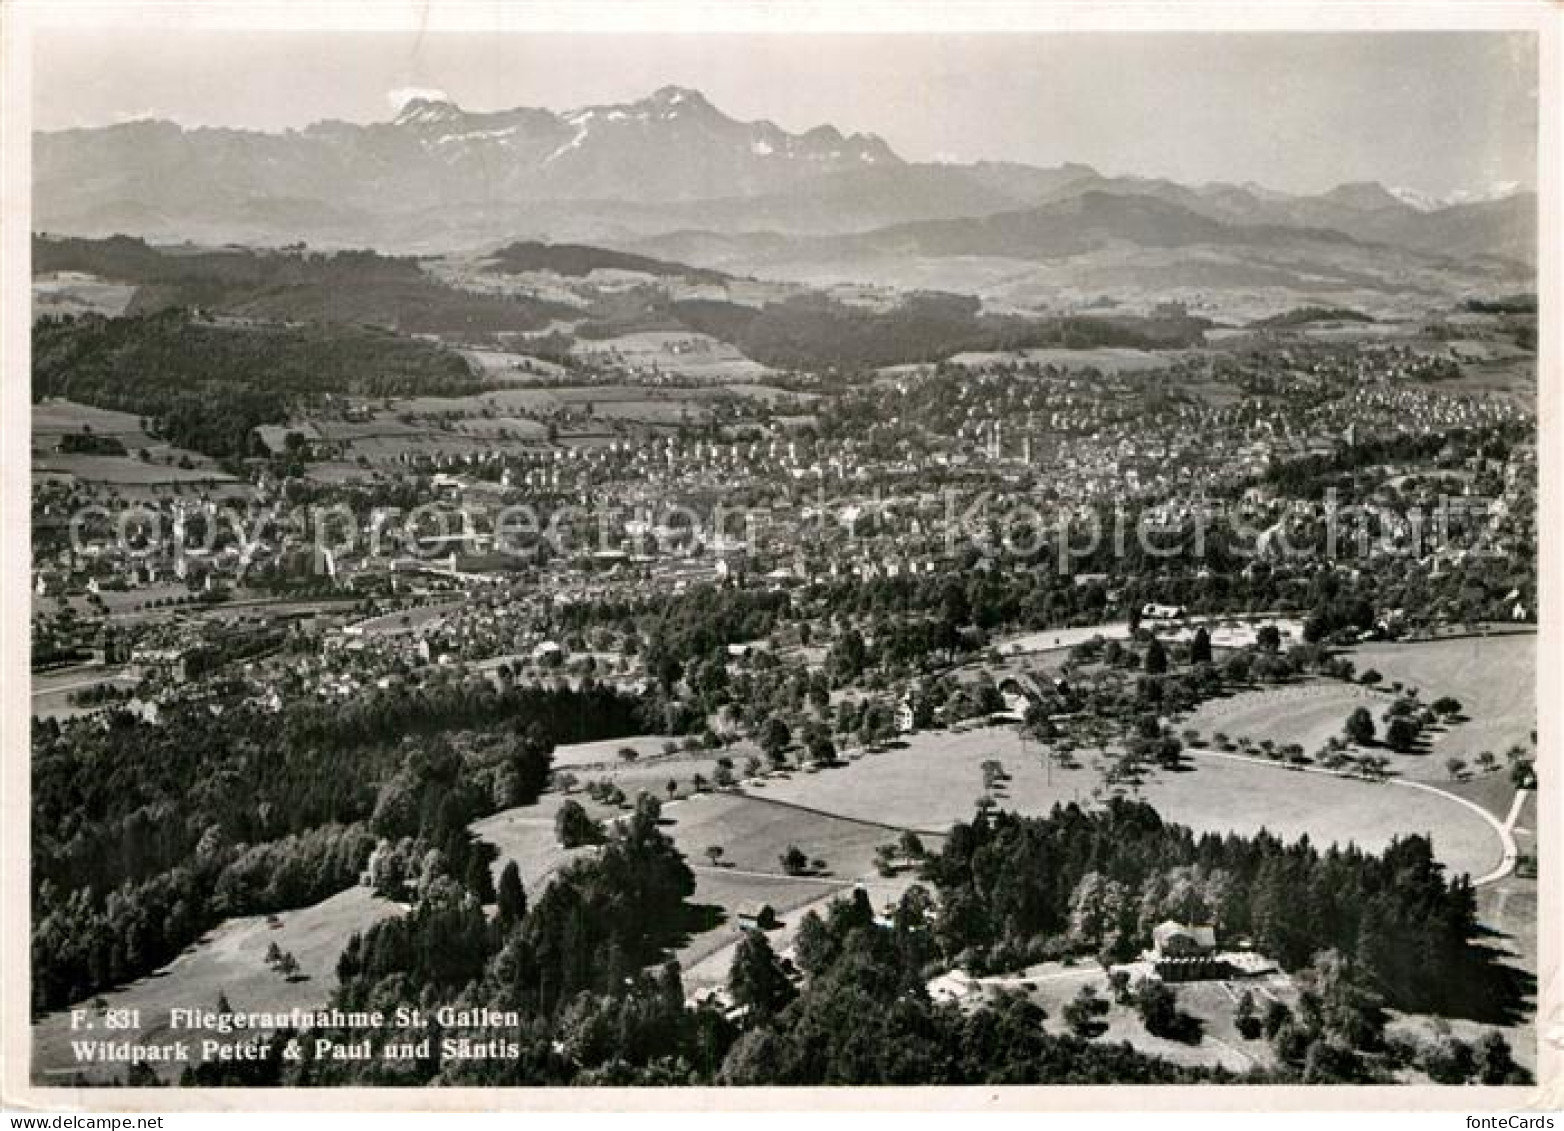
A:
(518, 368)
(500, 401)
(682, 352)
(936, 779)
(931, 781)
(770, 394)
(925, 785)
(54, 418)
(125, 469)
(229, 960)
(502, 427)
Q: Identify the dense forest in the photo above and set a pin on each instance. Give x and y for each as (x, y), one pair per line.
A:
(577, 260)
(144, 836)
(815, 331)
(579, 970)
(1308, 315)
(1011, 886)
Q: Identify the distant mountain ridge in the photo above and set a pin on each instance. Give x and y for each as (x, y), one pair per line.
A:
(670, 147)
(438, 177)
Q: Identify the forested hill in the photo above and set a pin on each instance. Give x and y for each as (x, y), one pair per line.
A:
(816, 331)
(577, 260)
(205, 387)
(145, 836)
(294, 285)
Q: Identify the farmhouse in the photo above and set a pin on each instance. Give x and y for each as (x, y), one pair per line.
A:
(1172, 939)
(1183, 953)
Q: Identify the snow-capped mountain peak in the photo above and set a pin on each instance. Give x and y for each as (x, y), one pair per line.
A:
(423, 111)
(1429, 202)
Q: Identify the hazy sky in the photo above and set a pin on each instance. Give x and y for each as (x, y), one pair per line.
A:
(1438, 112)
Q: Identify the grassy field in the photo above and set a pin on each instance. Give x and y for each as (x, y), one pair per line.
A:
(604, 753)
(652, 769)
(51, 691)
(1052, 985)
(754, 831)
(336, 473)
(1494, 792)
(503, 427)
(936, 779)
(125, 469)
(1494, 677)
(520, 368)
(1224, 632)
(55, 418)
(229, 960)
(1059, 638)
(1305, 713)
(1104, 360)
(526, 835)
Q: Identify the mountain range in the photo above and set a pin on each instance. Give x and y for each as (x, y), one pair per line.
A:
(671, 175)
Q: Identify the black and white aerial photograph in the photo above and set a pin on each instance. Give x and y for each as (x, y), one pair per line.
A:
(718, 559)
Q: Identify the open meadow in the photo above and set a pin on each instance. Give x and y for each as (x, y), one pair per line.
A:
(1494, 677)
(229, 960)
(936, 779)
(1306, 713)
